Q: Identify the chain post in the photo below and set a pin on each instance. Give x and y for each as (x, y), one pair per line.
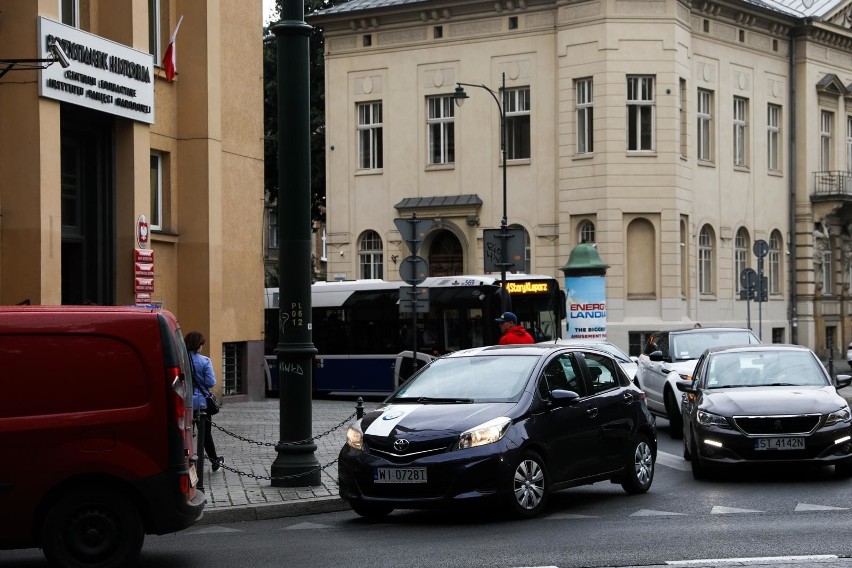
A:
(359, 408)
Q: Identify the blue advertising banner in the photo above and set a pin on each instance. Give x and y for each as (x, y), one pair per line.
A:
(586, 306)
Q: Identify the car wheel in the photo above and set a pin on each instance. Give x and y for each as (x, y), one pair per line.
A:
(529, 486)
(92, 527)
(640, 467)
(371, 510)
(674, 416)
(843, 470)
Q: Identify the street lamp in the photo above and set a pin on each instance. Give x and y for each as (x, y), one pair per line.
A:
(459, 96)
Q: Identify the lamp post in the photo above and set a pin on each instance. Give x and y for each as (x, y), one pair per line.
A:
(459, 96)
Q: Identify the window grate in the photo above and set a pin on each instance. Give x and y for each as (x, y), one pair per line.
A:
(232, 369)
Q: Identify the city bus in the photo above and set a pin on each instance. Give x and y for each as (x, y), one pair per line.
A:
(365, 336)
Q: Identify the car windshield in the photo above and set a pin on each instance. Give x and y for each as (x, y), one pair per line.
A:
(469, 379)
(763, 368)
(692, 345)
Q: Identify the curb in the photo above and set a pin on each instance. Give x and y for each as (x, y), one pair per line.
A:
(272, 510)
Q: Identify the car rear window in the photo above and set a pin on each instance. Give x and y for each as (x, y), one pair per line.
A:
(692, 345)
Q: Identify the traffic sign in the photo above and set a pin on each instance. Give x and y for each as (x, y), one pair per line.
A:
(748, 278)
(413, 270)
(492, 240)
(413, 231)
(760, 248)
(414, 300)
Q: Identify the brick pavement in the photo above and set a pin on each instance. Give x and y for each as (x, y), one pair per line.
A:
(238, 492)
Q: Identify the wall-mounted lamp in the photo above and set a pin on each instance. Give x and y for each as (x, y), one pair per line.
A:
(472, 220)
(394, 258)
(58, 55)
(341, 253)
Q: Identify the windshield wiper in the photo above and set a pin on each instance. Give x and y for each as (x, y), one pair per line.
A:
(434, 400)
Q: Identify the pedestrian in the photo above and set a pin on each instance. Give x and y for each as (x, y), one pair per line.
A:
(203, 380)
(512, 332)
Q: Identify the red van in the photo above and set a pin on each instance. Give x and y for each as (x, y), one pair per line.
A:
(95, 430)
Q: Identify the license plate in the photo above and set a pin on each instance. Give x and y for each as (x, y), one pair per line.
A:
(779, 444)
(193, 475)
(399, 475)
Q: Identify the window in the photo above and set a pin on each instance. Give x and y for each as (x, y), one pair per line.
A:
(69, 12)
(232, 369)
(155, 221)
(741, 252)
(516, 108)
(587, 232)
(272, 228)
(682, 123)
(370, 136)
(370, 255)
(640, 113)
(849, 143)
(825, 120)
(705, 125)
(775, 263)
(441, 125)
(154, 43)
(705, 261)
(773, 137)
(604, 376)
(585, 117)
(740, 131)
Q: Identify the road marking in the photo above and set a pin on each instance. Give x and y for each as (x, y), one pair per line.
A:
(309, 526)
(652, 513)
(809, 507)
(212, 529)
(717, 510)
(560, 516)
(672, 461)
(747, 561)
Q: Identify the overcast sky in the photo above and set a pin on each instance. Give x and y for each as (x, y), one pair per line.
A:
(268, 6)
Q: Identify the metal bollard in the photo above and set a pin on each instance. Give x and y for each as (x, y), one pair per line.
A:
(359, 408)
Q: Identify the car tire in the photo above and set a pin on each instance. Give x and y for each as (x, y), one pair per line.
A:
(639, 472)
(843, 470)
(674, 416)
(92, 528)
(371, 510)
(528, 486)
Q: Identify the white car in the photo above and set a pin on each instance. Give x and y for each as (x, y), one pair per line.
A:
(626, 362)
(671, 356)
(849, 354)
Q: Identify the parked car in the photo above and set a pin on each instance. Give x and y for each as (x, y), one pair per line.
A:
(670, 356)
(849, 354)
(765, 404)
(505, 424)
(628, 363)
(96, 431)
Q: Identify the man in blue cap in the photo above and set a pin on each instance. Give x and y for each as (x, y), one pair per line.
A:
(512, 332)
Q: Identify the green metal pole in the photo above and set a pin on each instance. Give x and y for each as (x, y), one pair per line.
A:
(295, 465)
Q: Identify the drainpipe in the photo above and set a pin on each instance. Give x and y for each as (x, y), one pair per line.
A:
(794, 317)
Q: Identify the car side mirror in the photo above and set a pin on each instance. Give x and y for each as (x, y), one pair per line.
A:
(685, 386)
(842, 381)
(656, 356)
(562, 397)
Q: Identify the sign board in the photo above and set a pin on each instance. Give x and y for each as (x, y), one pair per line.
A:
(142, 232)
(586, 298)
(143, 275)
(413, 270)
(104, 75)
(414, 300)
(492, 241)
(413, 231)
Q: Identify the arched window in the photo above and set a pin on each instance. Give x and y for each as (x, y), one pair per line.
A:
(527, 268)
(641, 255)
(775, 247)
(370, 255)
(741, 256)
(587, 232)
(706, 254)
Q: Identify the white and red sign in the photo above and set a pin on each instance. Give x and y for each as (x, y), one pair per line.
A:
(143, 273)
(143, 232)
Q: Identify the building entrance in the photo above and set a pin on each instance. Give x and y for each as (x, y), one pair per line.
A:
(445, 255)
(88, 207)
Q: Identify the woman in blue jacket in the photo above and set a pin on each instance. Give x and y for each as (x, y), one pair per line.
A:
(202, 375)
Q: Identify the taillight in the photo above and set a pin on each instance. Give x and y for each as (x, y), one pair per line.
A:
(178, 398)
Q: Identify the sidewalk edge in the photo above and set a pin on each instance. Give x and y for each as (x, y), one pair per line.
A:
(266, 511)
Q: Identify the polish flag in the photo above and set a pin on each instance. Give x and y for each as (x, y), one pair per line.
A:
(170, 58)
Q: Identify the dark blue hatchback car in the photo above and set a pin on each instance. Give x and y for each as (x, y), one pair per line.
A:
(508, 424)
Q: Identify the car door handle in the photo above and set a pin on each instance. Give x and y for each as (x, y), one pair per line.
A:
(592, 412)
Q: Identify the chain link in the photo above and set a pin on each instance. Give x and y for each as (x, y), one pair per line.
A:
(306, 441)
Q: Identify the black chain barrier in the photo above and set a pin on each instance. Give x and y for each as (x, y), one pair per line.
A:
(306, 441)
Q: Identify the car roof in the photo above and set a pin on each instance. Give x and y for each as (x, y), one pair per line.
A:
(705, 330)
(536, 349)
(759, 347)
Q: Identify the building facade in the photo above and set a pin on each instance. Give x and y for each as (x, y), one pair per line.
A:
(118, 186)
(691, 141)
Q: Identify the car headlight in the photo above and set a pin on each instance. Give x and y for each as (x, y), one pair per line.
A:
(842, 415)
(709, 419)
(486, 433)
(685, 377)
(355, 437)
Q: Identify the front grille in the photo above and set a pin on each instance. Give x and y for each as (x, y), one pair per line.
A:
(777, 425)
(383, 447)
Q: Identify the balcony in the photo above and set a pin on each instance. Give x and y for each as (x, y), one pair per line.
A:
(832, 186)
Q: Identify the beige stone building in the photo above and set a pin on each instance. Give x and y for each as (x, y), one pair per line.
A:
(675, 135)
(101, 146)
